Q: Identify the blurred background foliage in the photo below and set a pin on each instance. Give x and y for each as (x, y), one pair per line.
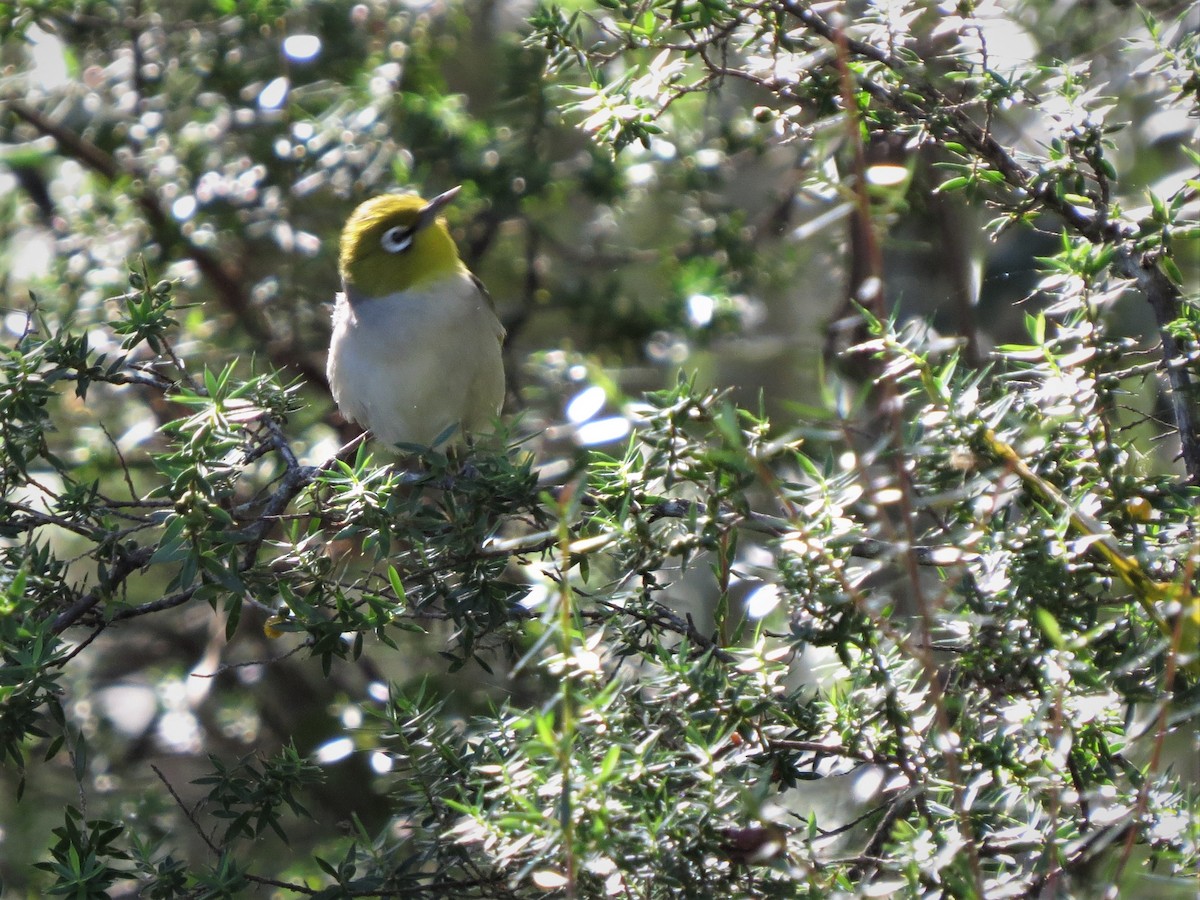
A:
(173, 178)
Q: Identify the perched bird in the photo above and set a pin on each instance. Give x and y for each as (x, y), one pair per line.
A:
(416, 342)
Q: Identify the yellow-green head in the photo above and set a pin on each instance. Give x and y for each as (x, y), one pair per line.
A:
(395, 242)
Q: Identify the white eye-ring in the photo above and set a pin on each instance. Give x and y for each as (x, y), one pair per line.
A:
(396, 240)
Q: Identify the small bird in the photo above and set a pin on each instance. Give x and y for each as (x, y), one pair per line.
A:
(416, 342)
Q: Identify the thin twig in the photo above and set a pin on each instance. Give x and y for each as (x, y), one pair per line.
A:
(188, 814)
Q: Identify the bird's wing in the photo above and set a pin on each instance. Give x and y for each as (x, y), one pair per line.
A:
(482, 288)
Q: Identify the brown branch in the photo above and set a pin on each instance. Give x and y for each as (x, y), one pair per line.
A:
(661, 617)
(820, 749)
(124, 566)
(872, 853)
(1164, 299)
(296, 477)
(183, 808)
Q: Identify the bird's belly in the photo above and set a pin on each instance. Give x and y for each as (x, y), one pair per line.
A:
(409, 372)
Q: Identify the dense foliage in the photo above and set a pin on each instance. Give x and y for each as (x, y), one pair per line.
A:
(733, 604)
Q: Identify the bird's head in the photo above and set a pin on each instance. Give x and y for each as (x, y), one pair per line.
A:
(395, 242)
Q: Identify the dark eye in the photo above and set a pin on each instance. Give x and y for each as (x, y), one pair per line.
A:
(396, 240)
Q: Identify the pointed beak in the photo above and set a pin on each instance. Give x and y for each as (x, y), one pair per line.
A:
(431, 210)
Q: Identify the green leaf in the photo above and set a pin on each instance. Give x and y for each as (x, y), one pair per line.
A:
(397, 584)
(172, 546)
(953, 184)
(1172, 270)
(609, 764)
(1049, 626)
